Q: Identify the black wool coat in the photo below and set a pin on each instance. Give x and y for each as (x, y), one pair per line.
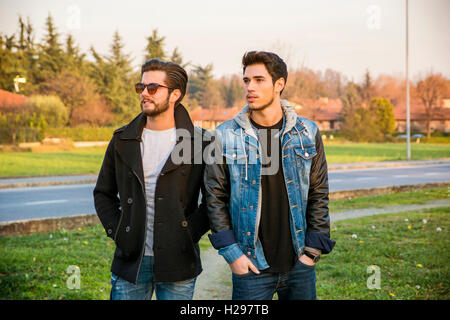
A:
(179, 222)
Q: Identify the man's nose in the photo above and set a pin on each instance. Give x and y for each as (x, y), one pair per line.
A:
(251, 86)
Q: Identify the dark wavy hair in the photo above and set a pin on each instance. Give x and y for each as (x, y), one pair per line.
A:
(176, 76)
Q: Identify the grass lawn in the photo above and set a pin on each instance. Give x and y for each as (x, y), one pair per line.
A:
(412, 257)
(35, 266)
(418, 196)
(367, 152)
(82, 161)
(89, 160)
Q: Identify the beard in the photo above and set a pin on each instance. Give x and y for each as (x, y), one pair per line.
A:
(158, 109)
(260, 108)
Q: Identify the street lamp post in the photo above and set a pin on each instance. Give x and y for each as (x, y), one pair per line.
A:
(408, 124)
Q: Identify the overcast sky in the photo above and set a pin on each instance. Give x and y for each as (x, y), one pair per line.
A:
(345, 35)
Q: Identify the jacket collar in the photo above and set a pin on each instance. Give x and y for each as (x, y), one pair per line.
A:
(128, 144)
(134, 129)
(291, 117)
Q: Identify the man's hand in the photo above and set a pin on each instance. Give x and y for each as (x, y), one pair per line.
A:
(242, 265)
(306, 260)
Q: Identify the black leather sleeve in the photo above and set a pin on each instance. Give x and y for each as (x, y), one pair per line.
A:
(217, 193)
(317, 215)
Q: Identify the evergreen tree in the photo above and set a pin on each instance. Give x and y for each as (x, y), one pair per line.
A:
(51, 54)
(155, 46)
(383, 111)
(178, 59)
(199, 81)
(231, 90)
(115, 79)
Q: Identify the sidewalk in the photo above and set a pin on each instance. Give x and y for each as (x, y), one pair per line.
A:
(92, 178)
(214, 283)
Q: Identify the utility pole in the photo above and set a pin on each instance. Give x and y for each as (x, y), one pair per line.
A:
(408, 122)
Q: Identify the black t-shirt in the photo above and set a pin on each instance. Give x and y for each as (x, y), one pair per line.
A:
(274, 228)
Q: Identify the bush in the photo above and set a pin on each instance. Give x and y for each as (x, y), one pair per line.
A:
(81, 133)
(51, 108)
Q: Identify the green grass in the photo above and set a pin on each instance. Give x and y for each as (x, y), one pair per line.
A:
(367, 152)
(413, 257)
(34, 266)
(418, 196)
(83, 161)
(89, 160)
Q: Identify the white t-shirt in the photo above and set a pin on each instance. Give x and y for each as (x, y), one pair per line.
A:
(156, 147)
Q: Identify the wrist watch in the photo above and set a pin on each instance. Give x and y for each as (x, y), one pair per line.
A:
(313, 257)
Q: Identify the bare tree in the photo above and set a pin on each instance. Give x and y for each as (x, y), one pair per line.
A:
(431, 91)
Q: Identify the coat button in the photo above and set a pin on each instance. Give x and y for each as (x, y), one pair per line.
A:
(249, 253)
(251, 207)
(254, 182)
(249, 233)
(127, 229)
(109, 231)
(130, 200)
(184, 224)
(130, 174)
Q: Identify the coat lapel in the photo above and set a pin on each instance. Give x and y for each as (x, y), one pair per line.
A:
(128, 144)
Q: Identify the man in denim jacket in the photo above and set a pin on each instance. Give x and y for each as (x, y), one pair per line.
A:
(267, 194)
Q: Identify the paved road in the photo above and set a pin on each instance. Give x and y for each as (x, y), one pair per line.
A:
(74, 199)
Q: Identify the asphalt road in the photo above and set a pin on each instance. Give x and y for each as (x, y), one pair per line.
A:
(74, 199)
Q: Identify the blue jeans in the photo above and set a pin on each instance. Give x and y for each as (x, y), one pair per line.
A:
(124, 290)
(297, 284)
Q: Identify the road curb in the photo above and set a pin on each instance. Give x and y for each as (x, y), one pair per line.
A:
(23, 227)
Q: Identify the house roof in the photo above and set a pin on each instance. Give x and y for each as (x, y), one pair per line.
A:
(10, 100)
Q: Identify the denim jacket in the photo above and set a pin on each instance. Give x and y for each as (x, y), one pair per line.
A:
(233, 190)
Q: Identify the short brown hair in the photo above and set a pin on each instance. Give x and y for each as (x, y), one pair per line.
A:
(176, 76)
(274, 64)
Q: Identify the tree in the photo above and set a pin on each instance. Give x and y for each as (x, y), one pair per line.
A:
(359, 124)
(78, 94)
(114, 78)
(155, 46)
(430, 91)
(231, 90)
(73, 59)
(51, 108)
(198, 83)
(367, 89)
(178, 59)
(51, 58)
(383, 111)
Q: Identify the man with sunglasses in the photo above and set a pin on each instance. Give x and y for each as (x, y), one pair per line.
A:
(147, 200)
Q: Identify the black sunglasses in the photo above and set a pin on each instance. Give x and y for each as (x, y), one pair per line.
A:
(151, 87)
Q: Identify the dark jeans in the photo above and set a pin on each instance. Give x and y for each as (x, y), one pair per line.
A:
(143, 290)
(297, 284)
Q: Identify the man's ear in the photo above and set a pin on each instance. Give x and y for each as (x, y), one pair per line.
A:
(174, 95)
(279, 85)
